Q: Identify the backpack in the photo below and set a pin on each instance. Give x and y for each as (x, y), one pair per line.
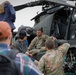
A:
(7, 64)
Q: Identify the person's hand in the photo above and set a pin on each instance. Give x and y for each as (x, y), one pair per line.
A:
(53, 68)
(53, 38)
(36, 62)
(27, 53)
(28, 48)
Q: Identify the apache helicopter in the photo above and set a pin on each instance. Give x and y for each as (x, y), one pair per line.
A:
(58, 18)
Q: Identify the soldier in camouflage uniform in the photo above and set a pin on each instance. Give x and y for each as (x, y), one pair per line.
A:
(37, 44)
(51, 63)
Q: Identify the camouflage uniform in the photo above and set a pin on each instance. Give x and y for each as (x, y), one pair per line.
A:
(37, 44)
(53, 59)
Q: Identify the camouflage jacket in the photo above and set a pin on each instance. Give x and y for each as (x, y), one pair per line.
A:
(38, 42)
(51, 63)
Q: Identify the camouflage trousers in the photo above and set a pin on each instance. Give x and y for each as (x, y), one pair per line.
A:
(35, 51)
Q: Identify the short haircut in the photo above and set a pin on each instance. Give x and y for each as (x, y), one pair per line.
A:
(41, 29)
(50, 44)
(5, 30)
(22, 34)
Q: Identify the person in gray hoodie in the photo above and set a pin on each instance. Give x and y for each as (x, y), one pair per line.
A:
(20, 44)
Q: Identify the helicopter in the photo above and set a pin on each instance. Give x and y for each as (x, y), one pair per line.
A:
(58, 19)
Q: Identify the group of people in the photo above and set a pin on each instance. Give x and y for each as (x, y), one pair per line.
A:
(51, 63)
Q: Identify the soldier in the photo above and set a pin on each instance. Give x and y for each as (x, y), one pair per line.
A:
(37, 43)
(51, 63)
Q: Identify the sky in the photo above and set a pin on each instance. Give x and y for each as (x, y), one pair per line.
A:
(24, 16)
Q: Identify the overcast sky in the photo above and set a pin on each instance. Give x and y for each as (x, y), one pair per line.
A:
(24, 16)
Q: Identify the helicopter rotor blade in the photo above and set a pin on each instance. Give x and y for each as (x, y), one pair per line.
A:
(41, 2)
(31, 4)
